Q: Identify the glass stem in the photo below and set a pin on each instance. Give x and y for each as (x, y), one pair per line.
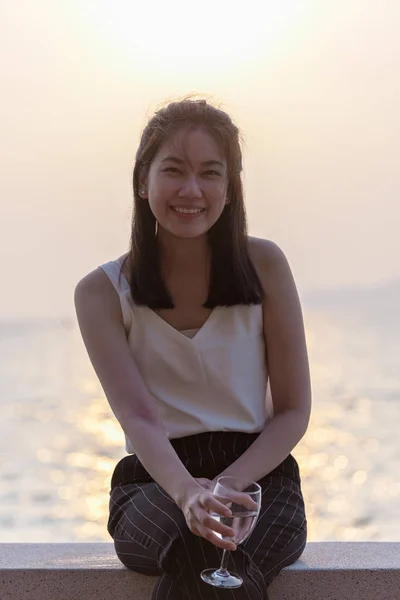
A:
(224, 562)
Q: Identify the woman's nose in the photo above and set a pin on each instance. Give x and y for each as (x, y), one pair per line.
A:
(190, 188)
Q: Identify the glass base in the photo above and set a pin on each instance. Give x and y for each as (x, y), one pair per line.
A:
(221, 579)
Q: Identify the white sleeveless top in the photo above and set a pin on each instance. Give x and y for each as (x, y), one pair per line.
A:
(212, 379)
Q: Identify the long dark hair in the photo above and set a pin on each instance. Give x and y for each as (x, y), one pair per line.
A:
(233, 279)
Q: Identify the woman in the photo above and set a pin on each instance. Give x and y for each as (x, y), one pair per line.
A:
(185, 331)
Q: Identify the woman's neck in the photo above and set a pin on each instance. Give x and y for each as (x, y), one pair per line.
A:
(183, 254)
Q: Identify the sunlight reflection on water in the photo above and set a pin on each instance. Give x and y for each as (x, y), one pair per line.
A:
(59, 442)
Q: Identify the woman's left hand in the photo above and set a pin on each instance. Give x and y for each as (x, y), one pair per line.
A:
(207, 484)
(237, 497)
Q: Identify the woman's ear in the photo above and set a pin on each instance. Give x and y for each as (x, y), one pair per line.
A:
(143, 190)
(227, 194)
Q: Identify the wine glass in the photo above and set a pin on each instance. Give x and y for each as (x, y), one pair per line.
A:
(243, 498)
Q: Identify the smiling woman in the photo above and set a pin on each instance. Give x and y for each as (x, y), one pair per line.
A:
(195, 36)
(185, 332)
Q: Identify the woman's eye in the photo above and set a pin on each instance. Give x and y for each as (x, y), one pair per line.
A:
(211, 173)
(171, 170)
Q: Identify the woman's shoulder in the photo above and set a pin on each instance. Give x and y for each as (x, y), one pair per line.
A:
(263, 252)
(268, 259)
(98, 280)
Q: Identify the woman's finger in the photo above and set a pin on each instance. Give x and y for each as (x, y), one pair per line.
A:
(214, 505)
(220, 542)
(211, 519)
(197, 528)
(215, 524)
(240, 498)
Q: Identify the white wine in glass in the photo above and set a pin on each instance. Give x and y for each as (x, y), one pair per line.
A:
(243, 498)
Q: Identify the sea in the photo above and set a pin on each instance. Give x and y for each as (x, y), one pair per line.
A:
(59, 440)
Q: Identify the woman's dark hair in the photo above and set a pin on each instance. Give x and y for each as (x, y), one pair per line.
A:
(233, 279)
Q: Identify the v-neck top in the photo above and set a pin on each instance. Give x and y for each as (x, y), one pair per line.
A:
(215, 379)
(190, 333)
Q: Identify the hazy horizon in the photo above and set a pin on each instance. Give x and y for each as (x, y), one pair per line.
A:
(314, 87)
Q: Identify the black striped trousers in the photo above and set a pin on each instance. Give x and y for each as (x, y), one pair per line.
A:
(151, 536)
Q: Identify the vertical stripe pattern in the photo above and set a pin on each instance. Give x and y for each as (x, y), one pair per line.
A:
(151, 536)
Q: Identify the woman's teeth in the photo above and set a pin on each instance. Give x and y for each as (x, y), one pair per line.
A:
(187, 211)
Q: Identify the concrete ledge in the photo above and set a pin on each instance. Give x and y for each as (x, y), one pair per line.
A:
(326, 571)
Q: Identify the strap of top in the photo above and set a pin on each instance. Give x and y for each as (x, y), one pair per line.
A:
(118, 279)
(113, 271)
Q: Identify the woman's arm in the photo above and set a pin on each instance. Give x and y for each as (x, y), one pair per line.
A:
(101, 325)
(287, 366)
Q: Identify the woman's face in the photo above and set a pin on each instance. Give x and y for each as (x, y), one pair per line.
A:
(187, 183)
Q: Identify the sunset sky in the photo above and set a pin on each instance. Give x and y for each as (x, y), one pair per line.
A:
(314, 86)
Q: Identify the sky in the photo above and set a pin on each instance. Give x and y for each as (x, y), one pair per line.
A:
(314, 86)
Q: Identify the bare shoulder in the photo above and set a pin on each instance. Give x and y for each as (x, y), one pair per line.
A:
(95, 294)
(269, 260)
(97, 282)
(264, 251)
(94, 282)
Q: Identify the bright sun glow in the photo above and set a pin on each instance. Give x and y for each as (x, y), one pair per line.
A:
(199, 34)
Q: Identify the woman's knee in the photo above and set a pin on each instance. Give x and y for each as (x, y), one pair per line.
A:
(147, 516)
(275, 545)
(278, 557)
(135, 558)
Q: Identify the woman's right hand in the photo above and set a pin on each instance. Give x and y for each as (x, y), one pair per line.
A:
(196, 504)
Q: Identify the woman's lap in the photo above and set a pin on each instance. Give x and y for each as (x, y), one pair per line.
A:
(151, 536)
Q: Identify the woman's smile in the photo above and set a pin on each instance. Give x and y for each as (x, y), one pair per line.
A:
(188, 212)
